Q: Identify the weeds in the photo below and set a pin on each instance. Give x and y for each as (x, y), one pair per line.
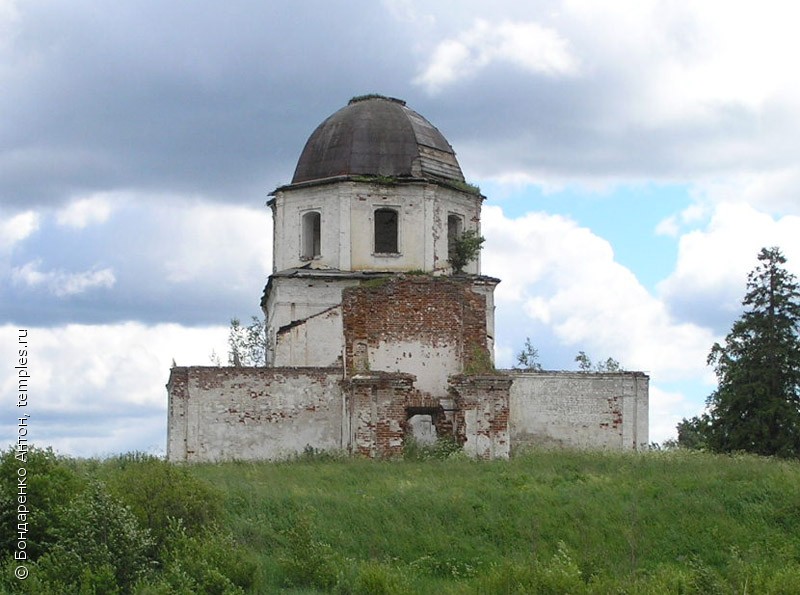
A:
(543, 522)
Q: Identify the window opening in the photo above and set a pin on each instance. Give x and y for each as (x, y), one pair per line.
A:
(455, 226)
(311, 235)
(386, 231)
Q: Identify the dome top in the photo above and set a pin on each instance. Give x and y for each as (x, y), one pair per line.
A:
(377, 136)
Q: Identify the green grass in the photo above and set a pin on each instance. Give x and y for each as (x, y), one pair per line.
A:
(545, 522)
(684, 522)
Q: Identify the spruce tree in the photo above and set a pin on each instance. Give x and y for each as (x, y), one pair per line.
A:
(756, 407)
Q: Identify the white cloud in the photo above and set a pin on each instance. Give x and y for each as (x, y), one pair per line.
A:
(774, 190)
(215, 242)
(713, 262)
(689, 58)
(17, 228)
(667, 409)
(742, 53)
(565, 277)
(9, 16)
(526, 45)
(408, 11)
(85, 211)
(673, 225)
(100, 389)
(61, 283)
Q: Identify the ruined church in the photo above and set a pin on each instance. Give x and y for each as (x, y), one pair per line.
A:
(373, 338)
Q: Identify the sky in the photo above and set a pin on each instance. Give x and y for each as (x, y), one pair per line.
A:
(635, 156)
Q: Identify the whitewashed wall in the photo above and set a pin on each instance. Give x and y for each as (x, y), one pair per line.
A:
(593, 411)
(218, 414)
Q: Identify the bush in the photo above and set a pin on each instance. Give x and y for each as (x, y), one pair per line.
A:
(158, 492)
(443, 448)
(98, 546)
(465, 250)
(374, 578)
(50, 483)
(560, 574)
(308, 562)
(210, 562)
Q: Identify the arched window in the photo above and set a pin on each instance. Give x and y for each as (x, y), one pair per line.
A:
(455, 225)
(386, 231)
(311, 235)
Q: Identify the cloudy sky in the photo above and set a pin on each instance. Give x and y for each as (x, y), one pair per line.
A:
(635, 155)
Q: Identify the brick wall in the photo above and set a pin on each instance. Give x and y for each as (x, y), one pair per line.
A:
(377, 410)
(482, 414)
(429, 326)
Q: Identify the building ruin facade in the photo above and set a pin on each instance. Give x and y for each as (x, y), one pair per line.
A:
(372, 338)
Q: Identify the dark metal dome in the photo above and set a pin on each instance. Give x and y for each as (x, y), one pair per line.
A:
(377, 136)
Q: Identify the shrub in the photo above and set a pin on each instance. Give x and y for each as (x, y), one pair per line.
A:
(443, 448)
(157, 492)
(50, 483)
(98, 546)
(560, 574)
(210, 562)
(465, 250)
(308, 562)
(374, 578)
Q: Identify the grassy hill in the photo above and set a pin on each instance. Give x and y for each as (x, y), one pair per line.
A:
(547, 522)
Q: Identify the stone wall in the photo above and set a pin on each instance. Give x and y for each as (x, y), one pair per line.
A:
(252, 413)
(273, 413)
(577, 410)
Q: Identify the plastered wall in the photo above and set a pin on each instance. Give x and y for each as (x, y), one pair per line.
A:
(272, 413)
(232, 413)
(570, 409)
(347, 225)
(218, 414)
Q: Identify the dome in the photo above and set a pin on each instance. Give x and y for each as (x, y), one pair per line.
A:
(377, 136)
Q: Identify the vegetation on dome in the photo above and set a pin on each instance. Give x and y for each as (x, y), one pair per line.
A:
(464, 186)
(377, 179)
(369, 96)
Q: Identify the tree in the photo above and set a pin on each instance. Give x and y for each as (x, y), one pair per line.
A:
(693, 433)
(527, 359)
(584, 362)
(756, 407)
(465, 250)
(247, 345)
(610, 365)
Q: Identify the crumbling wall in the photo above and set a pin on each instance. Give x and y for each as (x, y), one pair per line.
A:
(431, 327)
(234, 413)
(579, 410)
(482, 415)
(304, 326)
(316, 338)
(377, 413)
(271, 413)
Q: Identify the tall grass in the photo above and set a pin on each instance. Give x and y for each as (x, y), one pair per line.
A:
(544, 522)
(681, 521)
